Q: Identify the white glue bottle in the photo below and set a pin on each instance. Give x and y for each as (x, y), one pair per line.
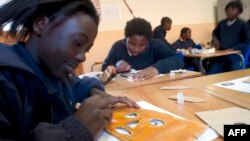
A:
(180, 98)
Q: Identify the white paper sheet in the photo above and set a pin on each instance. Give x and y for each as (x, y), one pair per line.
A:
(236, 84)
(208, 135)
(129, 76)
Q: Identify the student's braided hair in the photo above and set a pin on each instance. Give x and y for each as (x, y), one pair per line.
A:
(138, 26)
(22, 13)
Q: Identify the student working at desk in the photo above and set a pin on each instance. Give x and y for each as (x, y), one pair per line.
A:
(230, 34)
(38, 89)
(139, 51)
(186, 42)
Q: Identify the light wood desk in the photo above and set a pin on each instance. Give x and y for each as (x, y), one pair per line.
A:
(121, 84)
(206, 83)
(217, 53)
(154, 95)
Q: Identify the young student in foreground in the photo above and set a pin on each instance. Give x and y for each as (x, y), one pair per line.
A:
(230, 34)
(139, 51)
(38, 89)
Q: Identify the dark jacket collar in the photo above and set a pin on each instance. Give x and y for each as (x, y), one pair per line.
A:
(18, 57)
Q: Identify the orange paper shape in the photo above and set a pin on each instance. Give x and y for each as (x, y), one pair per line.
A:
(152, 126)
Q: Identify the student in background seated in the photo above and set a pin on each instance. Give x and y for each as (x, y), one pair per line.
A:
(230, 34)
(185, 41)
(160, 31)
(39, 94)
(139, 51)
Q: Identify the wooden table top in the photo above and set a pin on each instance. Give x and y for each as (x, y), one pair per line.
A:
(206, 83)
(210, 55)
(154, 95)
(121, 84)
(201, 87)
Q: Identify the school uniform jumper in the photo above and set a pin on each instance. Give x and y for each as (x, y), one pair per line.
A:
(156, 54)
(235, 36)
(160, 33)
(34, 104)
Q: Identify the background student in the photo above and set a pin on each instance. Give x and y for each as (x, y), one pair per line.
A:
(230, 34)
(139, 51)
(38, 88)
(185, 41)
(160, 31)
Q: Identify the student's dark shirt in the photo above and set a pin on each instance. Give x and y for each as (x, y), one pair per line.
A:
(160, 33)
(156, 54)
(35, 106)
(181, 44)
(235, 36)
(248, 22)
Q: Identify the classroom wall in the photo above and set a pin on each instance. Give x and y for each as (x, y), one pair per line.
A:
(199, 15)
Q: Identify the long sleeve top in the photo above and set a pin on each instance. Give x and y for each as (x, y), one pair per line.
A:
(35, 106)
(160, 33)
(235, 36)
(156, 54)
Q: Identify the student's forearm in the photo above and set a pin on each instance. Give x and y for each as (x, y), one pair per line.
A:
(171, 63)
(240, 46)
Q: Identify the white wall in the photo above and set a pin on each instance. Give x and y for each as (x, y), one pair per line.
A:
(181, 11)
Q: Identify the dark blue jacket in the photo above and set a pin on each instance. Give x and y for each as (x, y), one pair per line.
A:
(160, 33)
(181, 44)
(34, 104)
(156, 54)
(235, 36)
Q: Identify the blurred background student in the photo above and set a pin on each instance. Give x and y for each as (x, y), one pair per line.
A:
(160, 32)
(230, 34)
(185, 42)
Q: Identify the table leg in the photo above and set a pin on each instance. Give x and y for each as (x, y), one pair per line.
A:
(202, 70)
(243, 60)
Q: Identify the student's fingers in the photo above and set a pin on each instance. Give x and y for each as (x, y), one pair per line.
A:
(122, 66)
(128, 102)
(147, 76)
(108, 100)
(139, 75)
(125, 66)
(142, 75)
(105, 101)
